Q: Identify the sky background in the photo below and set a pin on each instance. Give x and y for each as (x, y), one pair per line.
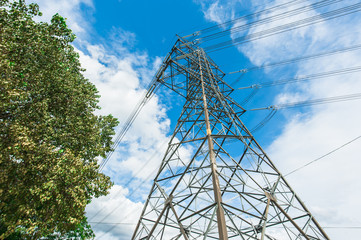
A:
(121, 44)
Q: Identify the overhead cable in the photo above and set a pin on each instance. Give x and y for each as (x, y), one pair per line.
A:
(342, 98)
(264, 121)
(147, 95)
(255, 14)
(323, 156)
(293, 60)
(267, 20)
(146, 163)
(286, 27)
(303, 78)
(115, 208)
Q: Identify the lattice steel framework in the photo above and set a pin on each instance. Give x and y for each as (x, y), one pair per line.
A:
(215, 181)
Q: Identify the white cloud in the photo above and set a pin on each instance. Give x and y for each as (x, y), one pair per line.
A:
(273, 48)
(119, 77)
(119, 80)
(70, 9)
(114, 216)
(218, 11)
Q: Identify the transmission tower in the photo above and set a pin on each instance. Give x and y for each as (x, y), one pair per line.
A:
(215, 181)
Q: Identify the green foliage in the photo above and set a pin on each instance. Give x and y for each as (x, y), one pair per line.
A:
(82, 231)
(17, 235)
(50, 138)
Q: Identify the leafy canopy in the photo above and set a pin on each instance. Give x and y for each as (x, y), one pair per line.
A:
(50, 138)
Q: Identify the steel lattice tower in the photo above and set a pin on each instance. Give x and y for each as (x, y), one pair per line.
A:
(227, 187)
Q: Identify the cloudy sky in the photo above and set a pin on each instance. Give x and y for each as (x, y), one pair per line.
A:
(122, 43)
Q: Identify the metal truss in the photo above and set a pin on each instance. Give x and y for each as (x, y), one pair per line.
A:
(215, 181)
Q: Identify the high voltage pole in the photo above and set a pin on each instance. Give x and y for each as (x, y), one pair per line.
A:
(215, 181)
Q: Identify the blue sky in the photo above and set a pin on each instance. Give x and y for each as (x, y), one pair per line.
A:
(122, 43)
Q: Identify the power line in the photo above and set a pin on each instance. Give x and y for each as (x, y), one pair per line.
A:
(323, 156)
(115, 208)
(286, 27)
(132, 178)
(293, 60)
(334, 99)
(267, 20)
(321, 101)
(264, 121)
(255, 14)
(249, 97)
(304, 78)
(152, 88)
(124, 130)
(129, 195)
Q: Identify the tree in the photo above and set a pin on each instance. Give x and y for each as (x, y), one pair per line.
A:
(50, 137)
(82, 231)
